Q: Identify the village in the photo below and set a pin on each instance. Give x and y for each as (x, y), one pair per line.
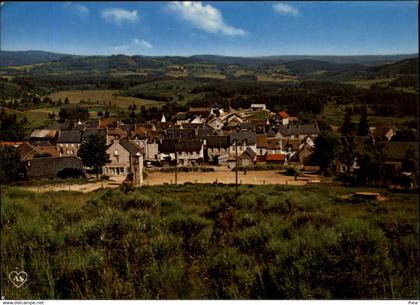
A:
(211, 139)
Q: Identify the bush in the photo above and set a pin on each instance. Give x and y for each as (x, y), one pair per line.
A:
(292, 171)
(70, 173)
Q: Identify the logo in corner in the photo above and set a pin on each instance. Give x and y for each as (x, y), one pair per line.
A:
(18, 278)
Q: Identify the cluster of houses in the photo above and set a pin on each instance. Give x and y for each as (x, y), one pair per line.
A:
(198, 136)
(210, 135)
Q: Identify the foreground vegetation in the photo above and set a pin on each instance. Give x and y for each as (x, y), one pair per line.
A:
(199, 242)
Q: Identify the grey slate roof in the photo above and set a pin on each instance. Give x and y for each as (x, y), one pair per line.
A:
(205, 131)
(250, 138)
(180, 133)
(49, 167)
(248, 152)
(189, 146)
(129, 146)
(70, 136)
(168, 146)
(247, 125)
(304, 129)
(93, 131)
(217, 141)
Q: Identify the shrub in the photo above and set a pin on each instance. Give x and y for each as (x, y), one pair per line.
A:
(70, 173)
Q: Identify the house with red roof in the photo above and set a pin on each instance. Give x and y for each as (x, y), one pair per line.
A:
(284, 117)
(275, 158)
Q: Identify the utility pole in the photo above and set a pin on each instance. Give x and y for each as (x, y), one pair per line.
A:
(236, 166)
(176, 164)
(176, 155)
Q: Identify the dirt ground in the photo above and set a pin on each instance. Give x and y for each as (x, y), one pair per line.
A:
(220, 175)
(225, 175)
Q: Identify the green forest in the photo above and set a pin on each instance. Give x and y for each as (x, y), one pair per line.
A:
(208, 242)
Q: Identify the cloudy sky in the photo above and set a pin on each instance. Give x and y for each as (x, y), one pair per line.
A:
(224, 28)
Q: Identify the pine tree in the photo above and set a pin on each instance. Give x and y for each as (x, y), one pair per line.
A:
(363, 128)
(348, 127)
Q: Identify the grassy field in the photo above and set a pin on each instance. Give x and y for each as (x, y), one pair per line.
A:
(102, 97)
(334, 114)
(206, 242)
(366, 83)
(37, 118)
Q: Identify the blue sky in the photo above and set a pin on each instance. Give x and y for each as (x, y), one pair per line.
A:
(224, 28)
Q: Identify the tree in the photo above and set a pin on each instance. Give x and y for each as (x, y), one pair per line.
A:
(348, 127)
(346, 151)
(371, 164)
(10, 128)
(325, 151)
(408, 164)
(93, 152)
(11, 166)
(74, 112)
(363, 128)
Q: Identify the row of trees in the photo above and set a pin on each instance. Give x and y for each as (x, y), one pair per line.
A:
(331, 148)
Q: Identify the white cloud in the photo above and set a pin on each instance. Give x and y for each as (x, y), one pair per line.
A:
(119, 15)
(78, 9)
(142, 42)
(285, 9)
(204, 17)
(132, 47)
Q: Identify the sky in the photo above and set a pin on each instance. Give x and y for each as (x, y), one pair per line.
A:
(222, 28)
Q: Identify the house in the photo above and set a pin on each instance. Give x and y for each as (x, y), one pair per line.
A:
(114, 134)
(283, 117)
(45, 147)
(123, 156)
(27, 151)
(300, 131)
(275, 158)
(243, 140)
(203, 112)
(15, 144)
(274, 145)
(382, 133)
(148, 141)
(198, 120)
(217, 148)
(190, 152)
(261, 140)
(49, 167)
(44, 135)
(257, 107)
(234, 120)
(247, 126)
(215, 123)
(69, 142)
(247, 158)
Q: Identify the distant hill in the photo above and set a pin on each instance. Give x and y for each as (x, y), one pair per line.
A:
(23, 58)
(326, 68)
(368, 60)
(407, 66)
